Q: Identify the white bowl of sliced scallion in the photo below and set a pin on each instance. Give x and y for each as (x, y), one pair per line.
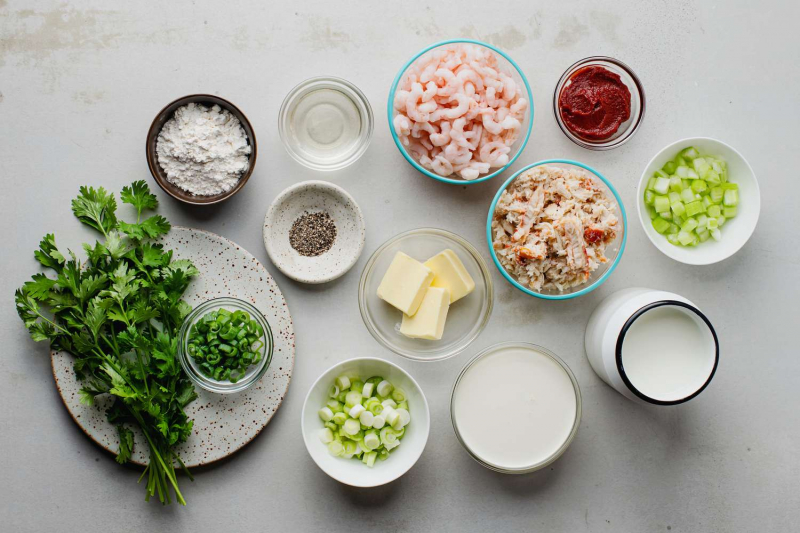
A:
(698, 201)
(365, 422)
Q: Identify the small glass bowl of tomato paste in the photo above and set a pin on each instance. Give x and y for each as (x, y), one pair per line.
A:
(599, 103)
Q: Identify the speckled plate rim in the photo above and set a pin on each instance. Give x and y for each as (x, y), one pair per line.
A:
(230, 453)
(270, 216)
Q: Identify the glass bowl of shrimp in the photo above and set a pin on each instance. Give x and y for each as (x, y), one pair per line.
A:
(460, 111)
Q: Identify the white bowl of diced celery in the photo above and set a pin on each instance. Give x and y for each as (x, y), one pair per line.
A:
(365, 422)
(698, 201)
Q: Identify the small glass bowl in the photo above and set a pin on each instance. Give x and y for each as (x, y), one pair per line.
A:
(508, 66)
(254, 373)
(613, 250)
(627, 128)
(466, 318)
(289, 137)
(578, 407)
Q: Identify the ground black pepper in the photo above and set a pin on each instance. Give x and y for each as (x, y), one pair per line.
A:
(312, 234)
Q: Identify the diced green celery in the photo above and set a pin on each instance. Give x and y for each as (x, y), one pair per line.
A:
(730, 198)
(701, 166)
(687, 195)
(712, 223)
(673, 239)
(707, 202)
(662, 185)
(714, 211)
(717, 164)
(717, 194)
(701, 220)
(673, 229)
(694, 208)
(680, 161)
(721, 220)
(689, 225)
(666, 216)
(675, 184)
(660, 174)
(689, 153)
(661, 203)
(704, 237)
(730, 186)
(652, 212)
(677, 220)
(678, 209)
(682, 171)
(674, 197)
(669, 167)
(649, 197)
(685, 238)
(692, 174)
(716, 234)
(660, 225)
(713, 178)
(687, 183)
(651, 183)
(729, 212)
(699, 186)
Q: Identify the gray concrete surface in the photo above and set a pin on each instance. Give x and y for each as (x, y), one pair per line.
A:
(80, 83)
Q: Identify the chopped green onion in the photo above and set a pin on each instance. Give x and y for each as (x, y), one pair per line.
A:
(365, 419)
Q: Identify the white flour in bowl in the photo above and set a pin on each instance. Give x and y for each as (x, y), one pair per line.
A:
(203, 150)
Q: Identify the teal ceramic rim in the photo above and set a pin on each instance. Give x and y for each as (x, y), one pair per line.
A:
(390, 111)
(566, 296)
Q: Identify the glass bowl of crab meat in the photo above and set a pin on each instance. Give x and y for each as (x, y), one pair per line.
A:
(556, 229)
(460, 111)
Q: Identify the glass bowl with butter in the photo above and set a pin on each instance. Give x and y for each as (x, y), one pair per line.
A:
(426, 294)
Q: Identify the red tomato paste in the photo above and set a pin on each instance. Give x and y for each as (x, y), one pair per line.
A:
(594, 103)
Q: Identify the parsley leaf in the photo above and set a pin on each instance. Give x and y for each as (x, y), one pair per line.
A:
(96, 208)
(138, 195)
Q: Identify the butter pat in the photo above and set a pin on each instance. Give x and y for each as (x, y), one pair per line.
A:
(405, 283)
(428, 322)
(450, 273)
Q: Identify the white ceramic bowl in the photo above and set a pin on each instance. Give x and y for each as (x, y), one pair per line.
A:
(351, 471)
(736, 230)
(311, 197)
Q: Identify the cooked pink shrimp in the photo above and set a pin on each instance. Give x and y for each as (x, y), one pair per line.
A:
(411, 104)
(443, 137)
(402, 126)
(442, 166)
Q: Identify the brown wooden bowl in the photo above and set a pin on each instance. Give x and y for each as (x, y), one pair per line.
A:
(152, 157)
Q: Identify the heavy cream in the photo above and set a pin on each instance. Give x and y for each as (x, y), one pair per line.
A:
(515, 407)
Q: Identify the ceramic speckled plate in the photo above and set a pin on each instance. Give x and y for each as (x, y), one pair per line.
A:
(314, 197)
(223, 424)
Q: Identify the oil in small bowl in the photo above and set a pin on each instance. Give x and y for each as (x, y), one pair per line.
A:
(325, 123)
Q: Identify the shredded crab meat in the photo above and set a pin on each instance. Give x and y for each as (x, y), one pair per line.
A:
(551, 227)
(456, 112)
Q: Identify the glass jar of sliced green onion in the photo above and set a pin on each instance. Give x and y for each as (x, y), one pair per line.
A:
(225, 345)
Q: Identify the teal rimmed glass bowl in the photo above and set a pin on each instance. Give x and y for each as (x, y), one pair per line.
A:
(613, 250)
(509, 68)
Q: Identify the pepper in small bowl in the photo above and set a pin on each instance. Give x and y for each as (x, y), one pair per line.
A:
(224, 344)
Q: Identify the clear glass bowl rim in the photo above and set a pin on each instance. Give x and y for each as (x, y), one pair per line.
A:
(361, 102)
(390, 111)
(487, 280)
(578, 406)
(565, 296)
(223, 387)
(600, 145)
